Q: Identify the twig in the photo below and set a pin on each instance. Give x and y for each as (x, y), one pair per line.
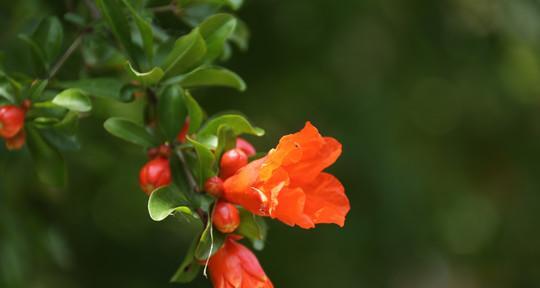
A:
(171, 7)
(189, 176)
(66, 55)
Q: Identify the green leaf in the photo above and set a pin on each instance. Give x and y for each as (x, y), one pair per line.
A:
(209, 243)
(171, 111)
(235, 4)
(189, 269)
(149, 78)
(46, 109)
(187, 53)
(129, 131)
(195, 113)
(145, 29)
(167, 200)
(98, 87)
(74, 100)
(49, 36)
(253, 227)
(36, 90)
(226, 140)
(49, 164)
(39, 60)
(239, 124)
(61, 140)
(213, 76)
(241, 35)
(215, 30)
(205, 161)
(69, 123)
(112, 12)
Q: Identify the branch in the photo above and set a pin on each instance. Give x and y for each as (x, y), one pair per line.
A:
(191, 180)
(72, 48)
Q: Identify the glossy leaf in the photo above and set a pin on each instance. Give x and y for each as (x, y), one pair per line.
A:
(112, 12)
(149, 78)
(195, 113)
(165, 201)
(46, 109)
(188, 52)
(241, 35)
(189, 269)
(235, 4)
(61, 140)
(48, 163)
(39, 60)
(216, 30)
(171, 111)
(205, 161)
(74, 100)
(98, 87)
(226, 140)
(145, 29)
(239, 124)
(209, 243)
(129, 131)
(36, 90)
(213, 76)
(49, 36)
(252, 227)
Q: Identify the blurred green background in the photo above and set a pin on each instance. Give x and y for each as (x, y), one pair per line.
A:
(437, 104)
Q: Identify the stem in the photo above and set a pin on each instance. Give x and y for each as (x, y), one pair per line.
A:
(171, 7)
(189, 175)
(66, 55)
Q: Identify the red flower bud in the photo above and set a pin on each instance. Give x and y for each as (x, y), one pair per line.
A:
(154, 174)
(182, 135)
(152, 152)
(165, 151)
(245, 146)
(11, 120)
(214, 186)
(231, 161)
(234, 265)
(161, 151)
(16, 142)
(226, 217)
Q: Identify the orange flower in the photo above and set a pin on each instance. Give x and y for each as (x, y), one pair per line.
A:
(235, 266)
(288, 184)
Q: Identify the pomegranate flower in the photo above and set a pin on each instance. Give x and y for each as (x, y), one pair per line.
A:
(235, 266)
(288, 183)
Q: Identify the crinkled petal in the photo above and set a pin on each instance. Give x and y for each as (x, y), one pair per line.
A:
(306, 170)
(326, 201)
(290, 208)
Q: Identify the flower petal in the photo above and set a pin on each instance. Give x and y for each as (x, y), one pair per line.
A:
(290, 209)
(326, 201)
(235, 266)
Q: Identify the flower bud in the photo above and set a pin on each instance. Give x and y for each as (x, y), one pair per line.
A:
(11, 120)
(226, 217)
(154, 174)
(245, 146)
(231, 161)
(214, 186)
(183, 133)
(16, 142)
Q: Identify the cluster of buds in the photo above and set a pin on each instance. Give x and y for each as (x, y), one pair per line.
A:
(233, 265)
(288, 184)
(12, 125)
